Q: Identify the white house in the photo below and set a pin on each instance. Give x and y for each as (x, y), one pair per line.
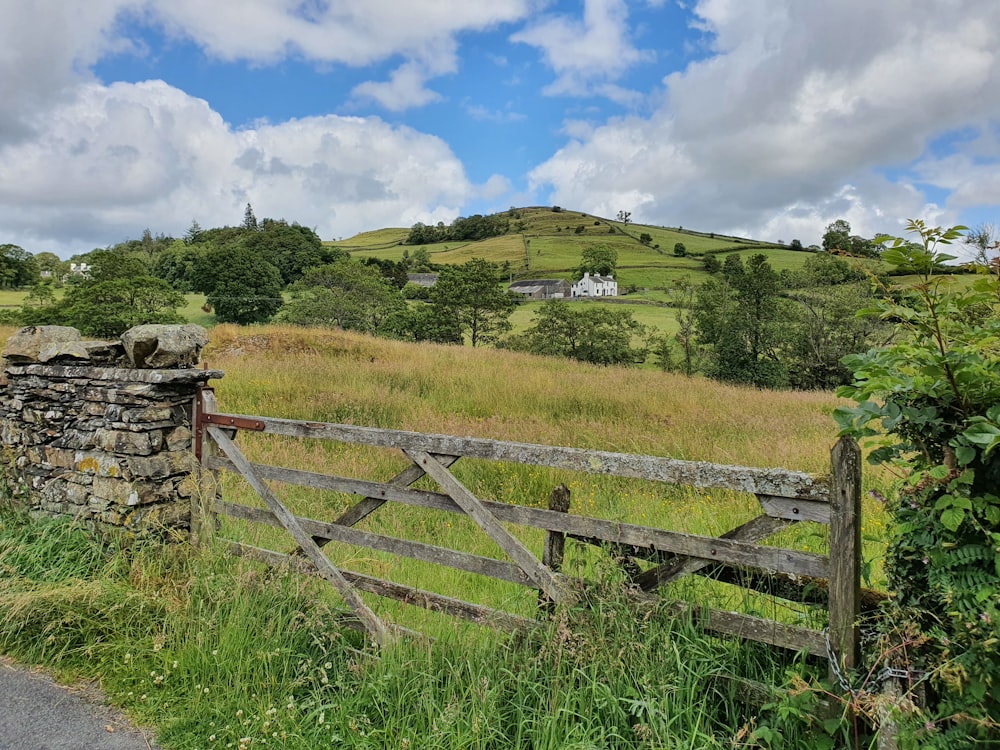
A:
(595, 286)
(79, 269)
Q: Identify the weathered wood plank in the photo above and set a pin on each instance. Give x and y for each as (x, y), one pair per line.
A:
(555, 542)
(554, 548)
(792, 588)
(368, 505)
(795, 509)
(416, 597)
(718, 621)
(376, 629)
(776, 482)
(752, 628)
(753, 530)
(334, 532)
(485, 520)
(845, 552)
(202, 499)
(767, 558)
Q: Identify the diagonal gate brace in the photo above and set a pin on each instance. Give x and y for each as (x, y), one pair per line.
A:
(544, 578)
(375, 627)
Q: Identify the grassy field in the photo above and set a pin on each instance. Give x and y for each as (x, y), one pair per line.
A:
(543, 243)
(219, 652)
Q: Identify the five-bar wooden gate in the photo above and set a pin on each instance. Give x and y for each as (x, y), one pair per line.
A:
(785, 498)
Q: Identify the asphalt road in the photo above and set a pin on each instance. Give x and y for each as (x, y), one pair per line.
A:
(38, 714)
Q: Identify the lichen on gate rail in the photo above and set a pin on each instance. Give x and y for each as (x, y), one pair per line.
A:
(101, 431)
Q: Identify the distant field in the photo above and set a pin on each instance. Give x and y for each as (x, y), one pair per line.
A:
(372, 240)
(655, 316)
(543, 243)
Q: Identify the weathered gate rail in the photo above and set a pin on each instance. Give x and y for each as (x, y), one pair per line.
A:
(785, 497)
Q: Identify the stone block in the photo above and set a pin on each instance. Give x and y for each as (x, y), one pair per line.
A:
(96, 463)
(27, 344)
(180, 438)
(128, 443)
(165, 464)
(164, 346)
(117, 491)
(60, 458)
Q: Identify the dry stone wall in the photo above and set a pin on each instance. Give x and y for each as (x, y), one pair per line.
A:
(85, 433)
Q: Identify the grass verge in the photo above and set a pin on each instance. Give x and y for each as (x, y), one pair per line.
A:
(218, 652)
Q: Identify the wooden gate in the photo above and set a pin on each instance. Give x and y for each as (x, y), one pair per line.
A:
(785, 498)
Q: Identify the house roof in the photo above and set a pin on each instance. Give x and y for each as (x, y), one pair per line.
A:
(422, 279)
(535, 284)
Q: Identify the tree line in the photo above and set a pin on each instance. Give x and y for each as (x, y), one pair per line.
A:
(746, 324)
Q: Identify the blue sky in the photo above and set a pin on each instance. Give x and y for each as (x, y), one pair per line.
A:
(768, 118)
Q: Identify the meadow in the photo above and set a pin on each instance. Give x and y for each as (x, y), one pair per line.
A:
(543, 243)
(219, 652)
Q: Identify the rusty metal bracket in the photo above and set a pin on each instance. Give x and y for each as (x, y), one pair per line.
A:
(240, 423)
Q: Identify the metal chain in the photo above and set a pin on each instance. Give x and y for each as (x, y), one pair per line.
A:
(886, 673)
(845, 684)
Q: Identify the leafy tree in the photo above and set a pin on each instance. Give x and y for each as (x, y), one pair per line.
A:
(825, 327)
(118, 295)
(625, 217)
(18, 267)
(645, 238)
(711, 263)
(680, 250)
(245, 288)
(984, 241)
(471, 294)
(291, 248)
(601, 260)
(177, 265)
(346, 294)
(741, 317)
(930, 404)
(462, 229)
(424, 322)
(51, 263)
(393, 272)
(795, 245)
(588, 333)
(686, 334)
(837, 237)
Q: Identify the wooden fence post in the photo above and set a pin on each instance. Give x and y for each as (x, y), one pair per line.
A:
(555, 541)
(845, 554)
(206, 490)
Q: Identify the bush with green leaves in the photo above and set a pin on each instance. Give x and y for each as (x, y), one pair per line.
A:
(930, 406)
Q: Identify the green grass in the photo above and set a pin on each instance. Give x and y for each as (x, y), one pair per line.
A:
(548, 245)
(202, 645)
(217, 652)
(660, 317)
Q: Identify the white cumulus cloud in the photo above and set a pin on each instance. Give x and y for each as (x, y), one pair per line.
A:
(797, 102)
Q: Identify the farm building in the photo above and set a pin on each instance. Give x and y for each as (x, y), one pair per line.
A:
(422, 279)
(595, 286)
(542, 288)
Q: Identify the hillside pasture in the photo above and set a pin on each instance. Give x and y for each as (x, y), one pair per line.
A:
(373, 240)
(661, 317)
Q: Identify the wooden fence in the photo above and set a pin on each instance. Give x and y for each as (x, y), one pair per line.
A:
(785, 498)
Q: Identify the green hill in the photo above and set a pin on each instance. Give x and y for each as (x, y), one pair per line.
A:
(548, 243)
